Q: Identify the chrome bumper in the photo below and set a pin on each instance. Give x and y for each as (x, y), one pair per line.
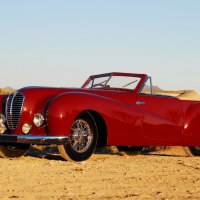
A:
(28, 139)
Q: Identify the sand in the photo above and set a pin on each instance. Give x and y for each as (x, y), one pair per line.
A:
(167, 174)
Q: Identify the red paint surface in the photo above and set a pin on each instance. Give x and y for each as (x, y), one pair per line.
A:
(161, 120)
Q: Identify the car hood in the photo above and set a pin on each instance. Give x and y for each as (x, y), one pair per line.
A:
(47, 93)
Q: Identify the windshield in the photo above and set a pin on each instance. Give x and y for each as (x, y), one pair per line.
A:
(122, 82)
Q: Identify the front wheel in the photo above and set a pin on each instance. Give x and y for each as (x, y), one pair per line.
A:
(192, 150)
(82, 139)
(13, 150)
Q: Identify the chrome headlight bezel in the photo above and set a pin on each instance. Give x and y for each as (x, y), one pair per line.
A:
(38, 120)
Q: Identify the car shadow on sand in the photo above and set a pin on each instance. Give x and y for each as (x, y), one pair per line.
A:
(163, 155)
(46, 152)
(52, 153)
(163, 151)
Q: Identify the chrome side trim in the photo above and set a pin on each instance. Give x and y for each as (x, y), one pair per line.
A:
(140, 103)
(28, 139)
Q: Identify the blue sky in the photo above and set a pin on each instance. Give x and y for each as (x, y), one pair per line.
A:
(62, 42)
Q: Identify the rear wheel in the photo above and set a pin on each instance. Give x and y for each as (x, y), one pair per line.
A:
(13, 150)
(130, 150)
(192, 150)
(82, 139)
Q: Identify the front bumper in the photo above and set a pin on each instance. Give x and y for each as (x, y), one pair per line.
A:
(28, 139)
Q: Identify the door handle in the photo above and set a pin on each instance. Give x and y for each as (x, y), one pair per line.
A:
(140, 103)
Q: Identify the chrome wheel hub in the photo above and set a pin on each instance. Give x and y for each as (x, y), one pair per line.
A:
(81, 136)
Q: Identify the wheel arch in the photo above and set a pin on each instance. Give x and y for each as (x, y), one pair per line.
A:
(100, 125)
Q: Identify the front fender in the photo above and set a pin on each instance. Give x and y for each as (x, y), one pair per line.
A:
(123, 121)
(65, 108)
(191, 127)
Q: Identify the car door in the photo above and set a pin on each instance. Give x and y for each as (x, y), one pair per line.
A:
(161, 117)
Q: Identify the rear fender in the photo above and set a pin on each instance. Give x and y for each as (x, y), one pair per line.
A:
(191, 127)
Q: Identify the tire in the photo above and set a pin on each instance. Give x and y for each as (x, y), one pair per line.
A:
(82, 140)
(130, 150)
(13, 150)
(192, 151)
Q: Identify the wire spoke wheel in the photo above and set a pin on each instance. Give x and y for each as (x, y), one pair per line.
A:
(82, 139)
(81, 136)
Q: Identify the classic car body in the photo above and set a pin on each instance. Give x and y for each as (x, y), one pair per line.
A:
(118, 109)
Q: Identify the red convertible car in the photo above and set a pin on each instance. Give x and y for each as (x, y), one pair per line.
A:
(119, 109)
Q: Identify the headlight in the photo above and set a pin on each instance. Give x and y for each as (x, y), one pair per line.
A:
(2, 128)
(38, 119)
(26, 128)
(2, 119)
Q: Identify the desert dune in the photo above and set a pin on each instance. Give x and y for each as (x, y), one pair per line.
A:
(6, 90)
(180, 94)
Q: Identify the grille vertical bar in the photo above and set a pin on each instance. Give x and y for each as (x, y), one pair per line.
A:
(13, 112)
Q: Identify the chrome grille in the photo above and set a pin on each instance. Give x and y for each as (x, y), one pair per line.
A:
(14, 106)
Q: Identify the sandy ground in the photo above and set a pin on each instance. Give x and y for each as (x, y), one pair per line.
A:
(166, 174)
